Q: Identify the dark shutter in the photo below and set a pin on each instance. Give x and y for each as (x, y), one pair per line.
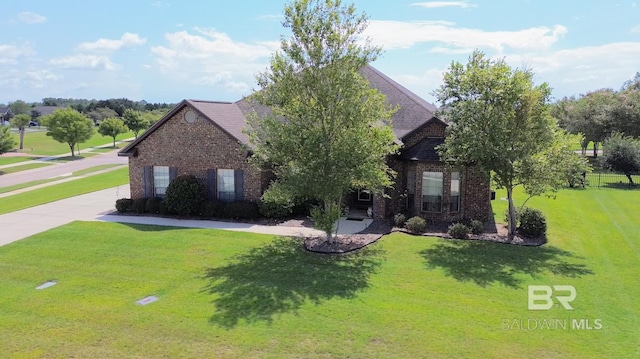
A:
(212, 191)
(239, 184)
(147, 180)
(173, 172)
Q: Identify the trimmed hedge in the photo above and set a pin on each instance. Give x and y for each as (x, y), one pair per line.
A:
(241, 210)
(399, 219)
(124, 205)
(276, 203)
(153, 205)
(212, 209)
(416, 224)
(185, 194)
(533, 223)
(459, 231)
(139, 205)
(476, 227)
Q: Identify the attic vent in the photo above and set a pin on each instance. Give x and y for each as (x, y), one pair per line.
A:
(190, 116)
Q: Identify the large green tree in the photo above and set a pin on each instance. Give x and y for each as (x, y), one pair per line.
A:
(501, 124)
(20, 107)
(6, 139)
(134, 121)
(622, 154)
(21, 121)
(69, 126)
(112, 127)
(330, 131)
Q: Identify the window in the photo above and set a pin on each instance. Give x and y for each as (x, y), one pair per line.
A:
(454, 205)
(432, 191)
(160, 180)
(226, 186)
(364, 195)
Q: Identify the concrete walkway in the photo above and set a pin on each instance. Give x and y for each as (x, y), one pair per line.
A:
(97, 206)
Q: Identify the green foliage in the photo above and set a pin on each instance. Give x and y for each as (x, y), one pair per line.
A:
(459, 231)
(501, 123)
(324, 218)
(153, 205)
(21, 121)
(139, 205)
(112, 127)
(241, 210)
(101, 113)
(337, 130)
(276, 202)
(7, 141)
(476, 226)
(622, 154)
(124, 205)
(69, 126)
(532, 223)
(20, 107)
(212, 209)
(185, 194)
(134, 121)
(416, 224)
(399, 219)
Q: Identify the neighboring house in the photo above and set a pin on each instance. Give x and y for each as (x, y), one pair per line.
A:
(5, 115)
(38, 111)
(205, 139)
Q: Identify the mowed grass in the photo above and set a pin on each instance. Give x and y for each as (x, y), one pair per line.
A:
(83, 172)
(239, 295)
(64, 190)
(24, 167)
(18, 159)
(40, 144)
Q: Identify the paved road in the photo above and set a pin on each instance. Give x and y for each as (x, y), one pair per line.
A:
(61, 169)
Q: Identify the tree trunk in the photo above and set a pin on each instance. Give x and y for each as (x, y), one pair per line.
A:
(630, 179)
(327, 210)
(114, 142)
(21, 137)
(512, 214)
(595, 149)
(73, 154)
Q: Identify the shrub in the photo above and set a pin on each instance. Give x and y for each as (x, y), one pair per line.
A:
(185, 194)
(459, 231)
(276, 203)
(476, 227)
(532, 223)
(416, 224)
(153, 205)
(303, 207)
(399, 219)
(241, 210)
(163, 210)
(124, 205)
(139, 205)
(212, 209)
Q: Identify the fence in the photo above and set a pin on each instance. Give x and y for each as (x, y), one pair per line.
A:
(611, 180)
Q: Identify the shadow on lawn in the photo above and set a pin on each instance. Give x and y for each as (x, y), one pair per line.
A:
(486, 263)
(281, 276)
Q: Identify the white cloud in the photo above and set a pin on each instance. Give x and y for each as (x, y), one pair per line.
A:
(81, 61)
(31, 18)
(126, 40)
(398, 34)
(212, 58)
(438, 4)
(20, 79)
(9, 54)
(636, 29)
(160, 4)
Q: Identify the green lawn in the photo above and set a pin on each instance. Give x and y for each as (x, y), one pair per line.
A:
(27, 166)
(64, 190)
(12, 160)
(41, 144)
(77, 173)
(238, 295)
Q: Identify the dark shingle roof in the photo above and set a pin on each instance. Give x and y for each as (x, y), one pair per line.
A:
(423, 151)
(413, 110)
(226, 115)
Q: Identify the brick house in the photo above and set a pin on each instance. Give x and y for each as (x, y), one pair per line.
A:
(205, 139)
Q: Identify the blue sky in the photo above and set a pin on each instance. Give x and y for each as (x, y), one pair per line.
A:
(168, 50)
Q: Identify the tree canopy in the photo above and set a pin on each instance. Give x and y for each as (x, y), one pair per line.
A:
(112, 127)
(330, 131)
(21, 121)
(622, 154)
(501, 124)
(134, 121)
(69, 126)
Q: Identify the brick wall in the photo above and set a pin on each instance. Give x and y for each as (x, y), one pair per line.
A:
(193, 148)
(432, 128)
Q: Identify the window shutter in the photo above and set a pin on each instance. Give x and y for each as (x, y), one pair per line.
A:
(147, 180)
(239, 184)
(173, 172)
(212, 190)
